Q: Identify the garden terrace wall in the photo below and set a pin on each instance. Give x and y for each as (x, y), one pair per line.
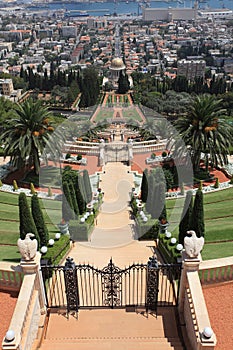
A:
(10, 277)
(216, 270)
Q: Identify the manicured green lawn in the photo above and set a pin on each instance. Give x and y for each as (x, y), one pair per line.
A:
(218, 213)
(217, 250)
(9, 253)
(131, 113)
(104, 114)
(9, 222)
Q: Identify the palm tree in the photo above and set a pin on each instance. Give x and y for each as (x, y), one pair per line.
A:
(203, 130)
(28, 133)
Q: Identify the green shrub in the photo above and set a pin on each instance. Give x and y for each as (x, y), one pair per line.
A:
(58, 250)
(68, 155)
(231, 180)
(168, 250)
(15, 185)
(200, 187)
(134, 206)
(147, 230)
(216, 185)
(26, 222)
(32, 188)
(50, 192)
(39, 220)
(81, 231)
(79, 157)
(153, 155)
(164, 154)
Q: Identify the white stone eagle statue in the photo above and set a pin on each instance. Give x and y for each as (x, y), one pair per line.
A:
(27, 247)
(193, 245)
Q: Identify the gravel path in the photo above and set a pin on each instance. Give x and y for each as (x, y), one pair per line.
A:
(219, 301)
(7, 305)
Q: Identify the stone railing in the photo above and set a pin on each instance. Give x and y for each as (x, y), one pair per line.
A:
(10, 277)
(149, 146)
(216, 270)
(81, 148)
(192, 308)
(29, 307)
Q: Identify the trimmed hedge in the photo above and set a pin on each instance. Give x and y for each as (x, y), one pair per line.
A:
(168, 250)
(57, 251)
(81, 231)
(147, 230)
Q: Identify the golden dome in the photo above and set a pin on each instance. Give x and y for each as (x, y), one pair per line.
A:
(117, 63)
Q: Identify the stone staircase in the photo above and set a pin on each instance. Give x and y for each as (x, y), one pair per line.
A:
(112, 330)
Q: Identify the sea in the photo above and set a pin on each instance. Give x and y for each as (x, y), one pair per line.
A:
(131, 8)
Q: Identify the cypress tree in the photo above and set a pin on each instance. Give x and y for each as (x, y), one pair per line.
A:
(151, 188)
(79, 195)
(186, 217)
(26, 222)
(73, 198)
(198, 224)
(87, 185)
(39, 220)
(67, 205)
(160, 204)
(144, 186)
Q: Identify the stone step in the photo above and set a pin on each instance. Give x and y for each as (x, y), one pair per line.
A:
(113, 344)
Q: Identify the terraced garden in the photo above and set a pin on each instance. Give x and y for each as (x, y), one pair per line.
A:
(9, 223)
(218, 211)
(218, 207)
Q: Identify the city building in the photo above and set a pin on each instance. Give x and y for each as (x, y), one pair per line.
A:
(191, 69)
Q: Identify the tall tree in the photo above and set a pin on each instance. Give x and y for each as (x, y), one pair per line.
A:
(67, 204)
(26, 222)
(39, 221)
(80, 195)
(73, 198)
(204, 130)
(87, 185)
(28, 133)
(185, 222)
(197, 221)
(144, 186)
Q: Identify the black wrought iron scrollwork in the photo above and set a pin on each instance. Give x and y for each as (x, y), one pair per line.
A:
(111, 285)
(152, 284)
(71, 285)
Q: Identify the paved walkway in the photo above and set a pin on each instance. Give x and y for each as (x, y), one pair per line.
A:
(114, 235)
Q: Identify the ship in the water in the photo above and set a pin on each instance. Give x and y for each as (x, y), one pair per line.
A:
(76, 13)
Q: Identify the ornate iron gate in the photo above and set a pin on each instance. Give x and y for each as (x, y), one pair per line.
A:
(116, 153)
(139, 285)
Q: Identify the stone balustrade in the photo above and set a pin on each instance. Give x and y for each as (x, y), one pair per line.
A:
(192, 308)
(196, 314)
(29, 307)
(10, 277)
(216, 270)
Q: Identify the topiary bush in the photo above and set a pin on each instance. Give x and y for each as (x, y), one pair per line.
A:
(15, 185)
(81, 231)
(168, 250)
(32, 188)
(39, 220)
(164, 154)
(216, 185)
(26, 222)
(50, 193)
(68, 155)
